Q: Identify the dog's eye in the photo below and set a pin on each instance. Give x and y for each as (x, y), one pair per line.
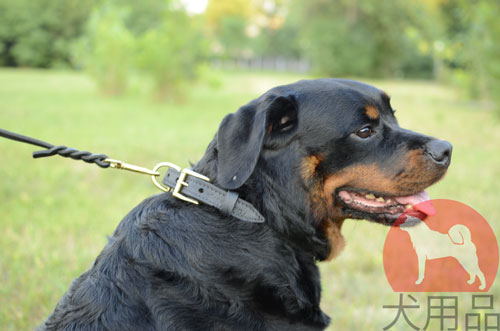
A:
(365, 132)
(286, 123)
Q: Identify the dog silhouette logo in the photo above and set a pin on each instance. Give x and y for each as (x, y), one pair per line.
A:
(457, 243)
(451, 249)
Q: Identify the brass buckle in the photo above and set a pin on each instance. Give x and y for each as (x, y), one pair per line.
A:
(117, 164)
(181, 182)
(155, 170)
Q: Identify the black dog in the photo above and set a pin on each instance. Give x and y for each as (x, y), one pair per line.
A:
(305, 156)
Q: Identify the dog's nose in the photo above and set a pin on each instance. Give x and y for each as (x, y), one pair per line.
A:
(439, 151)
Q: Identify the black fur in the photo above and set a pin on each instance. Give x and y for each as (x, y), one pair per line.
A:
(171, 265)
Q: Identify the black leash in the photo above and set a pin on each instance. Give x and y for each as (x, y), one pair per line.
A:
(185, 184)
(59, 150)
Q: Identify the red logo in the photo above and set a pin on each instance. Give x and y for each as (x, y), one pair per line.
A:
(454, 250)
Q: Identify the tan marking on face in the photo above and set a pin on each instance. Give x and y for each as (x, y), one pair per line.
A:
(332, 218)
(368, 177)
(323, 207)
(371, 112)
(309, 165)
(319, 204)
(417, 175)
(334, 236)
(419, 171)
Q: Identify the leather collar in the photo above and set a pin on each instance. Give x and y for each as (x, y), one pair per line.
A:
(190, 186)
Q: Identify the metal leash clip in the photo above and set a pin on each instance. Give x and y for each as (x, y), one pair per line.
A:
(117, 164)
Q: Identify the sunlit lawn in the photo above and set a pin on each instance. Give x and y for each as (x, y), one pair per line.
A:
(55, 213)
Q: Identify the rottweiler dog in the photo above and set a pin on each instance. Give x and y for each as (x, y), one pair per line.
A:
(306, 156)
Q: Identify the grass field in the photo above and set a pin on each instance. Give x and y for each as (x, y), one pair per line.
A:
(55, 213)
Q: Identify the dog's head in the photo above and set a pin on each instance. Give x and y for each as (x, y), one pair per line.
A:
(325, 150)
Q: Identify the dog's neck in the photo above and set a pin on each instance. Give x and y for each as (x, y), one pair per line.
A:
(286, 211)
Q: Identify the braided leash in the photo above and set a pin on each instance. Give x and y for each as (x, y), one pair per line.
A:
(63, 151)
(101, 160)
(74, 154)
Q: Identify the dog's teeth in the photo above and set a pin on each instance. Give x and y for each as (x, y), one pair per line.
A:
(380, 199)
(408, 206)
(389, 201)
(370, 196)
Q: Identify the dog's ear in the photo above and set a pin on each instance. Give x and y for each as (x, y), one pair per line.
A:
(241, 136)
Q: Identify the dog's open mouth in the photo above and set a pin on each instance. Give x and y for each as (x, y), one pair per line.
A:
(383, 208)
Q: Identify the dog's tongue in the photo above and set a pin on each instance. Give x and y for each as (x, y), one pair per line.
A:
(420, 201)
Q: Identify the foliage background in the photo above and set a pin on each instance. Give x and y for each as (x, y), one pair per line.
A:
(453, 41)
(147, 82)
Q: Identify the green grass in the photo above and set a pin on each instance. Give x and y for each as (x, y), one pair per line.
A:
(55, 213)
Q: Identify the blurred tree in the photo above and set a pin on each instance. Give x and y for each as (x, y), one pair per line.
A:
(231, 36)
(39, 33)
(145, 14)
(278, 30)
(106, 50)
(483, 49)
(472, 48)
(228, 21)
(278, 42)
(363, 37)
(162, 42)
(217, 10)
(171, 53)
